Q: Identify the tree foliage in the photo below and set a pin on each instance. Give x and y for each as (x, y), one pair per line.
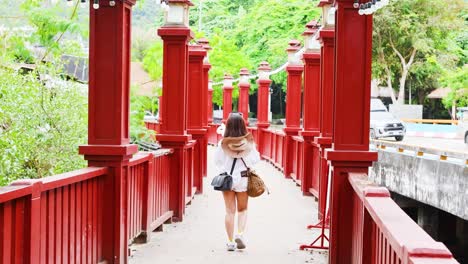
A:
(42, 123)
(409, 33)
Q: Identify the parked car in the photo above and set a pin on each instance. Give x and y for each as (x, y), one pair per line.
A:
(383, 123)
(150, 117)
(463, 125)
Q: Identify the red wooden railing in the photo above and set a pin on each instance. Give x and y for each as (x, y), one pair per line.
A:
(54, 220)
(148, 193)
(383, 233)
(59, 219)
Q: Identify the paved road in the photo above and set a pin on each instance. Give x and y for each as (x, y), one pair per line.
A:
(275, 229)
(439, 143)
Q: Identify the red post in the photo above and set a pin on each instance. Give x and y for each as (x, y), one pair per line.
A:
(197, 120)
(350, 149)
(108, 133)
(293, 103)
(311, 105)
(324, 141)
(206, 102)
(244, 88)
(174, 128)
(160, 107)
(262, 104)
(210, 102)
(227, 96)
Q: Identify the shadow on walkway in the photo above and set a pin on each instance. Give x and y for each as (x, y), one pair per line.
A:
(276, 228)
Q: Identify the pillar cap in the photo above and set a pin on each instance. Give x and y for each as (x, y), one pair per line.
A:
(188, 2)
(294, 45)
(205, 43)
(264, 66)
(311, 28)
(244, 71)
(227, 83)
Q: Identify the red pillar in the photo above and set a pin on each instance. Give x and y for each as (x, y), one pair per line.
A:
(160, 103)
(244, 88)
(174, 128)
(197, 120)
(108, 133)
(350, 149)
(293, 103)
(207, 104)
(324, 141)
(263, 102)
(311, 105)
(227, 96)
(210, 103)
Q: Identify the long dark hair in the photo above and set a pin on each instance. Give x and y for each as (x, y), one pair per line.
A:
(235, 126)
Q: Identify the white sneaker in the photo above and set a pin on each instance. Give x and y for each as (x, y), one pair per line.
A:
(231, 246)
(240, 241)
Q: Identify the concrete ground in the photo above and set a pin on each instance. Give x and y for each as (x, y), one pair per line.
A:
(276, 228)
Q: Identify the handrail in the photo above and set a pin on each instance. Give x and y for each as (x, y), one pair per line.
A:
(393, 223)
(68, 178)
(430, 121)
(420, 151)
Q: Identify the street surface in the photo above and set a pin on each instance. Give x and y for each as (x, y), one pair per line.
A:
(438, 143)
(276, 227)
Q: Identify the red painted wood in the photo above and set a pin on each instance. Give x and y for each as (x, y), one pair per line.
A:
(352, 84)
(197, 120)
(293, 96)
(227, 98)
(243, 104)
(196, 90)
(263, 102)
(327, 40)
(383, 233)
(210, 106)
(109, 70)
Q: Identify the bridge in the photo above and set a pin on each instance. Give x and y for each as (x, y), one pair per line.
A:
(93, 215)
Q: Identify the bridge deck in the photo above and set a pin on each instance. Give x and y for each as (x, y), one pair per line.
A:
(272, 235)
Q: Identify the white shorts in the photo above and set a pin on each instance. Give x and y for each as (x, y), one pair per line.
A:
(239, 184)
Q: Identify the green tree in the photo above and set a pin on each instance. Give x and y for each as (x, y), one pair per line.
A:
(42, 123)
(457, 81)
(408, 32)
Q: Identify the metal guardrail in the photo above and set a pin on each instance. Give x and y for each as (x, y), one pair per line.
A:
(431, 121)
(421, 151)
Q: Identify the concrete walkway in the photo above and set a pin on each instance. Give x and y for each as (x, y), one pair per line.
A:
(276, 228)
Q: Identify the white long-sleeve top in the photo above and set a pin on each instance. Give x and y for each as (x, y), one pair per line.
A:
(224, 164)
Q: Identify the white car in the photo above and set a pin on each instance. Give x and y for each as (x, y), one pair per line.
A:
(383, 123)
(150, 117)
(463, 125)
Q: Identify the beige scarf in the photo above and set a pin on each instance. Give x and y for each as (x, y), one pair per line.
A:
(237, 147)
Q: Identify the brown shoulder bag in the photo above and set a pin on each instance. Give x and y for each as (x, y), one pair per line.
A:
(255, 185)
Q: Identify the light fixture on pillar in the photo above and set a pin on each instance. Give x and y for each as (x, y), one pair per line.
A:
(356, 4)
(96, 4)
(83, 3)
(310, 40)
(264, 71)
(177, 13)
(293, 48)
(244, 76)
(371, 7)
(227, 82)
(69, 3)
(326, 6)
(206, 45)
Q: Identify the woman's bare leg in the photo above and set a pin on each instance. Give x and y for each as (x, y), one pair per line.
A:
(230, 202)
(242, 202)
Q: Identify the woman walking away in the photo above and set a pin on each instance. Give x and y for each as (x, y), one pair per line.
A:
(234, 154)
